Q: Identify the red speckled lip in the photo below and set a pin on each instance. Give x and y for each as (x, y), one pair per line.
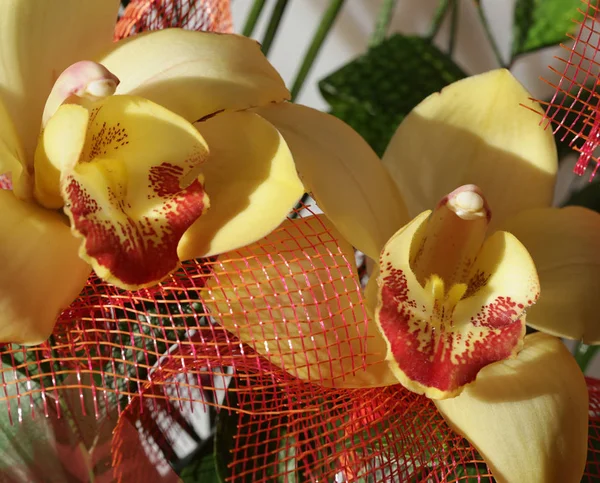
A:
(426, 351)
(137, 252)
(441, 334)
(135, 190)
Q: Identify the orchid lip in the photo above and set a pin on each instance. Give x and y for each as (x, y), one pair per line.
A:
(451, 298)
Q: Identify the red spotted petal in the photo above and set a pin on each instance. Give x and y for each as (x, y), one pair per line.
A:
(134, 190)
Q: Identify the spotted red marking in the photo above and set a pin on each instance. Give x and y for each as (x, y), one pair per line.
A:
(493, 335)
(164, 179)
(138, 251)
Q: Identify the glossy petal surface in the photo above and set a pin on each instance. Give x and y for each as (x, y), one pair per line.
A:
(251, 180)
(195, 74)
(38, 40)
(475, 131)
(41, 270)
(12, 158)
(343, 174)
(563, 243)
(58, 149)
(528, 416)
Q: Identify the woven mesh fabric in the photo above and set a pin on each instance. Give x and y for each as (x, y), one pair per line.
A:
(139, 362)
(574, 111)
(142, 15)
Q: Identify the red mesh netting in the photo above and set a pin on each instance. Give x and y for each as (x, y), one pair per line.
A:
(141, 15)
(574, 110)
(132, 366)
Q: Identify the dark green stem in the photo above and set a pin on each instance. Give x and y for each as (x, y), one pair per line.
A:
(438, 18)
(321, 34)
(584, 354)
(490, 37)
(253, 16)
(273, 25)
(453, 27)
(384, 19)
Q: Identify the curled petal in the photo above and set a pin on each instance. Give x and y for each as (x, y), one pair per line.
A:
(195, 74)
(83, 81)
(564, 246)
(38, 41)
(62, 143)
(134, 190)
(41, 270)
(343, 174)
(477, 131)
(251, 180)
(528, 416)
(440, 336)
(294, 297)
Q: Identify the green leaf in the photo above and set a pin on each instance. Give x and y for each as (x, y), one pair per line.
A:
(202, 469)
(282, 464)
(469, 473)
(542, 23)
(140, 337)
(35, 447)
(585, 354)
(374, 92)
(227, 424)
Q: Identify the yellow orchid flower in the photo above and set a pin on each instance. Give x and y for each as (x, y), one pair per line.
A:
(146, 144)
(444, 312)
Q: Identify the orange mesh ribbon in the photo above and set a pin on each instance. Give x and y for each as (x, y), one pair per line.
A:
(142, 361)
(574, 109)
(142, 15)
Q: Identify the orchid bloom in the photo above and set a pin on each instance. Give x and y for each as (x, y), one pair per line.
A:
(146, 145)
(446, 307)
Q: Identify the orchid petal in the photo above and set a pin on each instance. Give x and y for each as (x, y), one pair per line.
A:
(475, 131)
(343, 174)
(38, 40)
(528, 417)
(564, 246)
(195, 74)
(134, 191)
(294, 297)
(251, 180)
(41, 271)
(440, 336)
(12, 158)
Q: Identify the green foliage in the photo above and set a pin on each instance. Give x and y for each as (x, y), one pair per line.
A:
(469, 473)
(377, 90)
(68, 445)
(281, 465)
(227, 424)
(202, 469)
(585, 354)
(542, 23)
